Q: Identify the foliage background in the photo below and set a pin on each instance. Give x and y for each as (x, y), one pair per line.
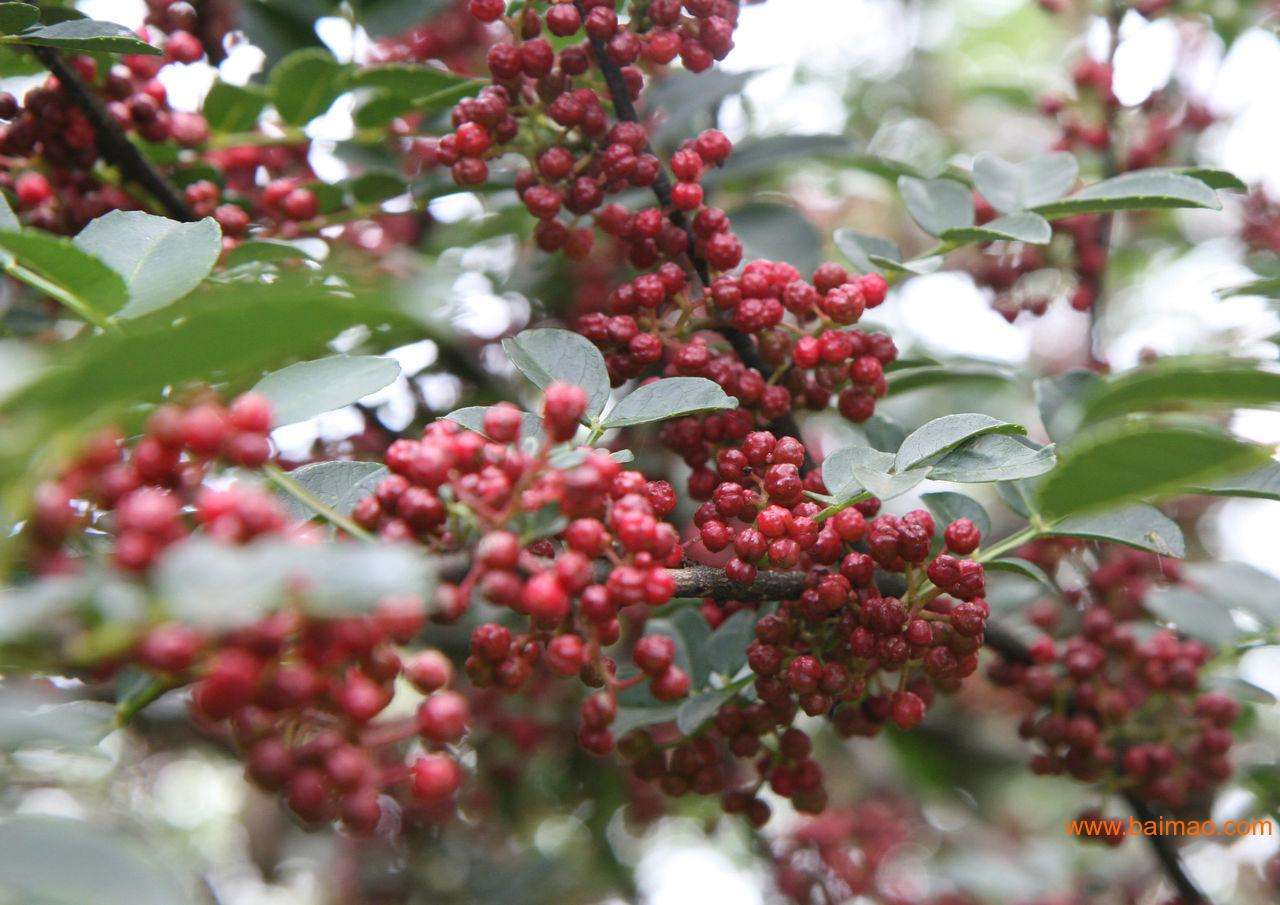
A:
(829, 96)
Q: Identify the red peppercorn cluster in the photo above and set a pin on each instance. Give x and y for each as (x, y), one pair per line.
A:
(850, 853)
(1115, 704)
(1260, 221)
(843, 649)
(297, 693)
(191, 33)
(300, 697)
(150, 494)
(58, 191)
(582, 157)
(1146, 137)
(452, 35)
(569, 611)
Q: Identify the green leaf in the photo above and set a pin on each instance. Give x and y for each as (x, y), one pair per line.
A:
(870, 254)
(379, 186)
(670, 397)
(337, 484)
(8, 219)
(1016, 566)
(1139, 190)
(851, 470)
(777, 232)
(1193, 614)
(406, 80)
(727, 649)
(74, 271)
(1140, 461)
(230, 333)
(233, 108)
(755, 156)
(994, 457)
(949, 506)
(88, 36)
(379, 110)
(630, 718)
(1183, 383)
(1010, 187)
(549, 355)
(919, 378)
(33, 610)
(1023, 226)
(697, 709)
(695, 634)
(305, 84)
(29, 719)
(219, 587)
(311, 388)
(472, 418)
(59, 861)
(14, 17)
(1260, 483)
(1141, 526)
(946, 433)
(265, 251)
(160, 260)
(1018, 496)
(1237, 584)
(1213, 178)
(938, 205)
(883, 433)
(1059, 400)
(1265, 286)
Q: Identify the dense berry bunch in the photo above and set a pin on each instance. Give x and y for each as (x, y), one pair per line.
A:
(297, 693)
(844, 648)
(1091, 121)
(568, 611)
(452, 35)
(151, 493)
(60, 193)
(849, 854)
(300, 697)
(1115, 704)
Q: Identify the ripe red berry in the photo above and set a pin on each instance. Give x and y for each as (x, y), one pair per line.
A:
(908, 709)
(32, 189)
(443, 717)
(300, 204)
(435, 778)
(654, 654)
(487, 10)
(962, 536)
(545, 599)
(671, 685)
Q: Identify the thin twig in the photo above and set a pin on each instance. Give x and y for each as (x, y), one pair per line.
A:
(114, 145)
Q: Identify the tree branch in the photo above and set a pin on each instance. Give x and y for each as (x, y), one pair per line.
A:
(114, 145)
(1167, 854)
(711, 582)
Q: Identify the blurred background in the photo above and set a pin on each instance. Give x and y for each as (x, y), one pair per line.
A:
(828, 101)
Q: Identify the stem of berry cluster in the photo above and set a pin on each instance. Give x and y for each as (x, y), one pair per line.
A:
(625, 111)
(112, 141)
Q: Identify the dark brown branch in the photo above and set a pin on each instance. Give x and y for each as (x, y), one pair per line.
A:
(707, 581)
(112, 141)
(1167, 854)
